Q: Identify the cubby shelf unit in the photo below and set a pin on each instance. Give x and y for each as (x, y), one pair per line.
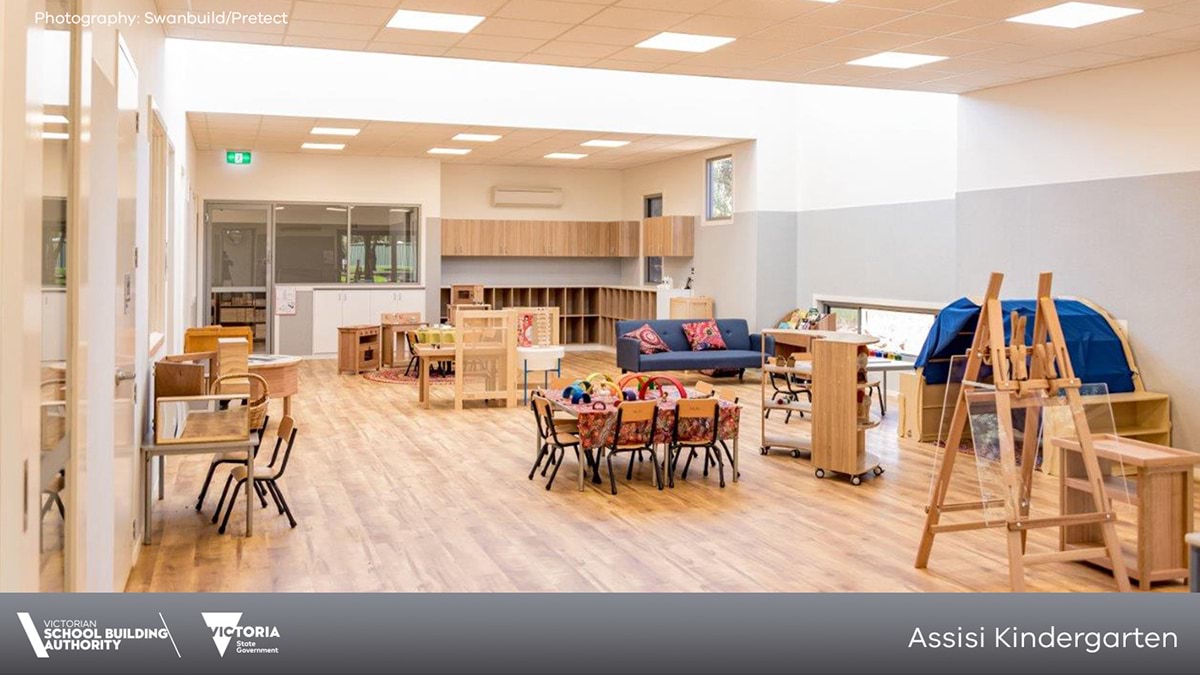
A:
(587, 314)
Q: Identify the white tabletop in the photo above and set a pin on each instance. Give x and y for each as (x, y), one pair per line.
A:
(877, 364)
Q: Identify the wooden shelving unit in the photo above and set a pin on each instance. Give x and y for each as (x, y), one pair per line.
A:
(586, 314)
(242, 309)
(837, 420)
(624, 304)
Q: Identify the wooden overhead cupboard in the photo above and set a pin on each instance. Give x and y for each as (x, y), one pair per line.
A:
(540, 238)
(669, 236)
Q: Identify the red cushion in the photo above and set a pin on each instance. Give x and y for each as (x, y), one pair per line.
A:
(704, 336)
(650, 342)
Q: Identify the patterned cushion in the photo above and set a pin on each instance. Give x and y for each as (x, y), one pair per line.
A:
(704, 336)
(650, 341)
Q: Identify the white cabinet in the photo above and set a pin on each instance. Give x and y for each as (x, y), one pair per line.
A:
(397, 300)
(353, 306)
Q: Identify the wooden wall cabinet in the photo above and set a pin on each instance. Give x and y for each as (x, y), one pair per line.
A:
(670, 236)
(540, 238)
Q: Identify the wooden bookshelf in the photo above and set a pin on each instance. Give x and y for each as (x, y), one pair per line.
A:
(587, 314)
(248, 308)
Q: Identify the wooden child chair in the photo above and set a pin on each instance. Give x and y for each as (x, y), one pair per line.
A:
(703, 413)
(634, 433)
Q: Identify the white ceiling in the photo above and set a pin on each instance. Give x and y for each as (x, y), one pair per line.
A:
(516, 147)
(783, 40)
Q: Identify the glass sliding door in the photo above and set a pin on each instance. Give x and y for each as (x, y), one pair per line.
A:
(238, 261)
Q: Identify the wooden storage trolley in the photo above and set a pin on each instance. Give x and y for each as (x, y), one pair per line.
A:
(841, 403)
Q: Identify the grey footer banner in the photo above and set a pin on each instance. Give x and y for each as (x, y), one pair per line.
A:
(598, 633)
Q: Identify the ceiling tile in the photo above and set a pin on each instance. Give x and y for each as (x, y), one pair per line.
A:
(548, 10)
(606, 35)
(519, 28)
(932, 25)
(1145, 46)
(776, 10)
(339, 13)
(647, 19)
(577, 49)
(344, 31)
(417, 37)
(850, 16)
(500, 43)
(555, 60)
(476, 7)
(707, 24)
(874, 40)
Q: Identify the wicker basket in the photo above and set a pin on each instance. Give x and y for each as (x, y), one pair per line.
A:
(258, 406)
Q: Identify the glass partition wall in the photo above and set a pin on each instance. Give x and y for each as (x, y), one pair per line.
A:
(253, 247)
(57, 129)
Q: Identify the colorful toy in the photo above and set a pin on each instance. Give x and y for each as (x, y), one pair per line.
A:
(660, 382)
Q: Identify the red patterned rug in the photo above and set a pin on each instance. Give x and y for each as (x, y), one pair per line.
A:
(397, 376)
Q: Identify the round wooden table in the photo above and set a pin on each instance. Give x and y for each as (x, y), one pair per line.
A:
(282, 374)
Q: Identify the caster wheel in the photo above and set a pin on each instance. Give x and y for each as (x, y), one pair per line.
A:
(763, 451)
(856, 480)
(796, 454)
(820, 473)
(879, 471)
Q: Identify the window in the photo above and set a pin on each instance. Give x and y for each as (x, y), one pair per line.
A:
(653, 206)
(347, 243)
(901, 330)
(719, 172)
(383, 244)
(310, 243)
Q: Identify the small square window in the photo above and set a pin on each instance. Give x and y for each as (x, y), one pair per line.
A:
(719, 173)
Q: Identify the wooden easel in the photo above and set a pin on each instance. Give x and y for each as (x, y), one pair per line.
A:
(1021, 373)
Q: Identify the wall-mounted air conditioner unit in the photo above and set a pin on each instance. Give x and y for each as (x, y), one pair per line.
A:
(546, 198)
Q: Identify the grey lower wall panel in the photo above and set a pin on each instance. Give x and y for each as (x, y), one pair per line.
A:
(726, 257)
(777, 271)
(1129, 244)
(433, 269)
(887, 251)
(295, 331)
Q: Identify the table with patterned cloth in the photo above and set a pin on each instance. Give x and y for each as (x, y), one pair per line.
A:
(597, 424)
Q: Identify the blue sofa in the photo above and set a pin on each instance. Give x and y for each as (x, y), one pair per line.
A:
(744, 349)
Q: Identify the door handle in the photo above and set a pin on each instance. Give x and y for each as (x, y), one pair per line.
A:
(124, 376)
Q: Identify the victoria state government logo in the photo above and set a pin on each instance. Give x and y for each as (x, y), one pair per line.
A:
(226, 627)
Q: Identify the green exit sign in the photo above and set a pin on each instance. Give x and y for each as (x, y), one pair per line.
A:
(237, 157)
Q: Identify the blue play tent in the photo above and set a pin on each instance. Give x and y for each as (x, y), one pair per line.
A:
(1097, 352)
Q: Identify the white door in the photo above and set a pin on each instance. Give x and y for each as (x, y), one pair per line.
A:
(125, 487)
(326, 317)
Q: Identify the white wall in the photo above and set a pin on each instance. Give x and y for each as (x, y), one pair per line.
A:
(862, 147)
(588, 194)
(1096, 177)
(1133, 119)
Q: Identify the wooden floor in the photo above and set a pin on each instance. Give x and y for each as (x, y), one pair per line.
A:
(390, 497)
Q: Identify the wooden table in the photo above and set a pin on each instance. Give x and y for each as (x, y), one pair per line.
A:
(151, 450)
(391, 331)
(427, 355)
(593, 425)
(282, 374)
(1159, 481)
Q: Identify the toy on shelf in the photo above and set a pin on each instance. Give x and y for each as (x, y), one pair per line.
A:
(1025, 375)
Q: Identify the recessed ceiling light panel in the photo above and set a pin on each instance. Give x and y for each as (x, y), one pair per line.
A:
(565, 155)
(449, 151)
(54, 119)
(604, 143)
(1075, 15)
(896, 60)
(478, 138)
(335, 131)
(322, 146)
(55, 135)
(434, 21)
(684, 42)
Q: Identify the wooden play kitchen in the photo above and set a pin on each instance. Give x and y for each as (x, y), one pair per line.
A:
(841, 402)
(358, 348)
(393, 326)
(1158, 480)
